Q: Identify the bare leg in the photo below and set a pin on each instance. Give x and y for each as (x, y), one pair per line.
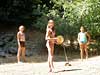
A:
(18, 54)
(49, 63)
(23, 54)
(50, 58)
(86, 51)
(81, 52)
(52, 53)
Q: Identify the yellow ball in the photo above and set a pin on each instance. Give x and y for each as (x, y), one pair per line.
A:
(60, 39)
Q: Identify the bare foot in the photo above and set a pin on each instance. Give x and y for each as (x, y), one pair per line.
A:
(50, 70)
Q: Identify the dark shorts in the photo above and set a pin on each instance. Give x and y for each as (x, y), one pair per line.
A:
(22, 43)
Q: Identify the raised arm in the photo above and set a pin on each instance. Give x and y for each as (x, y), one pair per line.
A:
(47, 37)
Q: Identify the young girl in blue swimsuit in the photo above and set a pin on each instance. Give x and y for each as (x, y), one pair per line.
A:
(83, 39)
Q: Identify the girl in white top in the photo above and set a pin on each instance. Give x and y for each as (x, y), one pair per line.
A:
(83, 39)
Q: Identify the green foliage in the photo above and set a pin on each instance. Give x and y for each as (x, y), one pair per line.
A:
(18, 11)
(41, 23)
(68, 15)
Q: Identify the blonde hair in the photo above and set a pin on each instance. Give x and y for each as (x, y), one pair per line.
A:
(20, 27)
(48, 25)
(50, 21)
(82, 27)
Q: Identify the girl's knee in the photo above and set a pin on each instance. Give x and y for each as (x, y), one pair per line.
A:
(81, 51)
(51, 56)
(18, 55)
(23, 53)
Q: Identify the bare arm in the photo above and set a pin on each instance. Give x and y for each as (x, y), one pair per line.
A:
(47, 37)
(18, 38)
(78, 38)
(89, 38)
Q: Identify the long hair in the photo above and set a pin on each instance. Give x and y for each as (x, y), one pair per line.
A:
(48, 26)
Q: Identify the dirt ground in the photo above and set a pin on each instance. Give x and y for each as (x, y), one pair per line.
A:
(87, 67)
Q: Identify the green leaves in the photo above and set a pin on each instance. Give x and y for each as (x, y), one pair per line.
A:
(70, 15)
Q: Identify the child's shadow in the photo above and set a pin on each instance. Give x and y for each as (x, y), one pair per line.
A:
(67, 70)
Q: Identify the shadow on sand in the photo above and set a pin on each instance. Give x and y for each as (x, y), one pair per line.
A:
(67, 70)
(58, 72)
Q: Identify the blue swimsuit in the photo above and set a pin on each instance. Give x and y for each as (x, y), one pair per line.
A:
(83, 38)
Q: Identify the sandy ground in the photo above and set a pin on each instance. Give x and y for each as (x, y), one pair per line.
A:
(87, 67)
